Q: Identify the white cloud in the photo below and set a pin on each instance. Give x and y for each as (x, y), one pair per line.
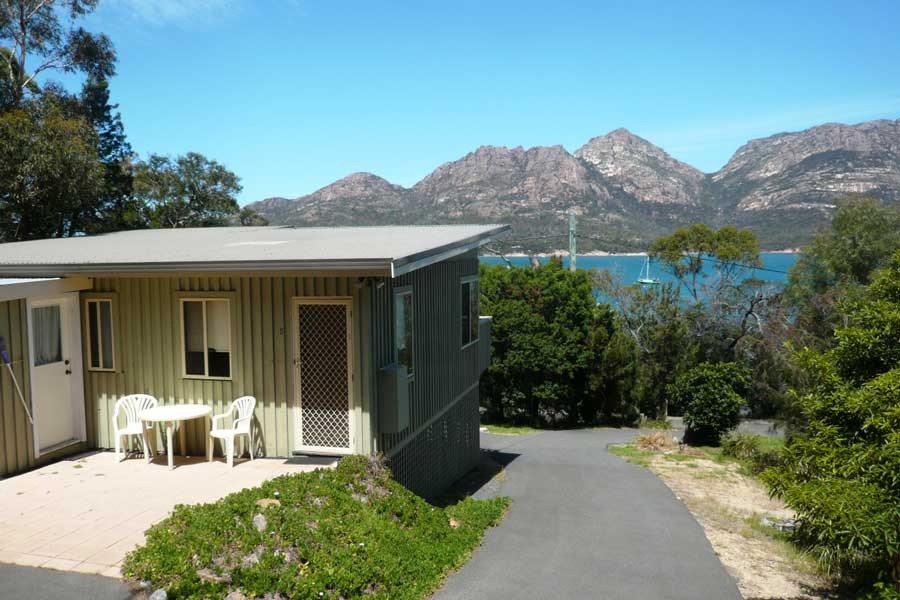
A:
(180, 12)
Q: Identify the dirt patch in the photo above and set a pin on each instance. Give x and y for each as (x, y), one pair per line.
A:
(736, 514)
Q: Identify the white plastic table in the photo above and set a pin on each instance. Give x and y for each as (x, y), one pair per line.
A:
(172, 414)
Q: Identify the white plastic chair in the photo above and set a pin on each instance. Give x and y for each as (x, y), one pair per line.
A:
(241, 413)
(132, 405)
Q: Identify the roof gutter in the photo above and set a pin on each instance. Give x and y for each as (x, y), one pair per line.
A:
(25, 270)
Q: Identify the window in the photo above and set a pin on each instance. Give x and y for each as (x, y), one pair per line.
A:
(46, 328)
(470, 310)
(403, 328)
(100, 335)
(206, 337)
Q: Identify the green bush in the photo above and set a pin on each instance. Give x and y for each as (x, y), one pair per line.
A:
(756, 452)
(350, 532)
(841, 467)
(712, 396)
(546, 331)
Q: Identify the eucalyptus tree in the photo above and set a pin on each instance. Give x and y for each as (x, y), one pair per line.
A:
(46, 32)
(187, 191)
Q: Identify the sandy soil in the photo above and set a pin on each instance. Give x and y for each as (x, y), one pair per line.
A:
(729, 506)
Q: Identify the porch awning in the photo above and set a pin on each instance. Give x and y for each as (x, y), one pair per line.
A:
(33, 287)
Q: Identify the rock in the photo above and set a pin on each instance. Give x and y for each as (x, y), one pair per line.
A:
(159, 594)
(259, 522)
(210, 576)
(236, 595)
(267, 502)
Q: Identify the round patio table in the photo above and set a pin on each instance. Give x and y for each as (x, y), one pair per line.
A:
(171, 414)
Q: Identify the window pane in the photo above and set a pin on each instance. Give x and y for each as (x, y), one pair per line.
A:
(218, 338)
(474, 311)
(465, 311)
(105, 308)
(47, 335)
(403, 329)
(93, 338)
(193, 338)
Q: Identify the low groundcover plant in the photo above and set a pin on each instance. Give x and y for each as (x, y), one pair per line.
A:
(347, 532)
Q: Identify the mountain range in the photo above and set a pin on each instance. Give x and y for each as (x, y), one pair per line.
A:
(625, 190)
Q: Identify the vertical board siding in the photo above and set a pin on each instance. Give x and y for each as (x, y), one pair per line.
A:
(148, 352)
(433, 456)
(17, 443)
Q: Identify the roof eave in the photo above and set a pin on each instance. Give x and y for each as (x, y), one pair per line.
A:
(51, 270)
(413, 262)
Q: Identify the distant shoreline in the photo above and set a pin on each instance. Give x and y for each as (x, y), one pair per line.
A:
(604, 253)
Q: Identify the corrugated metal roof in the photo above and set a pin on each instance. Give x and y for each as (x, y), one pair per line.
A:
(395, 249)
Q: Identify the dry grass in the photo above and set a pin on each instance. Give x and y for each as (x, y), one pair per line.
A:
(656, 441)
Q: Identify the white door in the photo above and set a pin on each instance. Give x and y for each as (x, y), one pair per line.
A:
(323, 375)
(55, 350)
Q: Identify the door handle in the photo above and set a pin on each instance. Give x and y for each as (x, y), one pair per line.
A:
(68, 371)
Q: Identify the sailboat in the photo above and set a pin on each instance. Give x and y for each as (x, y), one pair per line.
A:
(644, 278)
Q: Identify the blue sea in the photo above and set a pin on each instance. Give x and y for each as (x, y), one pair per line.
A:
(628, 268)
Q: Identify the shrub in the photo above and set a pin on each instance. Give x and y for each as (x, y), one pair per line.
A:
(712, 396)
(840, 467)
(542, 322)
(348, 532)
(756, 452)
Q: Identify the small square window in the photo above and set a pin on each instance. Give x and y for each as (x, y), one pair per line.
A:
(206, 337)
(100, 335)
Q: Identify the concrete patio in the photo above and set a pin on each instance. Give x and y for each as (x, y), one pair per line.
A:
(85, 513)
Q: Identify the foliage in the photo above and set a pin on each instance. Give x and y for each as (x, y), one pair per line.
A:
(653, 343)
(249, 216)
(838, 263)
(350, 532)
(712, 396)
(51, 178)
(612, 372)
(656, 424)
(541, 324)
(188, 191)
(840, 470)
(685, 252)
(46, 30)
(756, 452)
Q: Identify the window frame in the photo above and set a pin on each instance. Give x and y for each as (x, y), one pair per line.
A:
(87, 299)
(406, 290)
(468, 280)
(204, 298)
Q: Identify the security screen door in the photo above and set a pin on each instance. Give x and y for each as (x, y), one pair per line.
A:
(323, 375)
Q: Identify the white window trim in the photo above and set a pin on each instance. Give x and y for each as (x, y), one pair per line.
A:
(231, 352)
(462, 281)
(406, 290)
(112, 332)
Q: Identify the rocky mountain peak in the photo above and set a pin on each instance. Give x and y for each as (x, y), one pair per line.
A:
(625, 188)
(642, 169)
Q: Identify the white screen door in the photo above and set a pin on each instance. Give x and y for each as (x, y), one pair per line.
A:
(323, 375)
(55, 372)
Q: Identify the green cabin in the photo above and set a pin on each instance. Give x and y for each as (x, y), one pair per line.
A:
(356, 340)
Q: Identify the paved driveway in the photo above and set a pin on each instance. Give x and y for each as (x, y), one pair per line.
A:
(586, 524)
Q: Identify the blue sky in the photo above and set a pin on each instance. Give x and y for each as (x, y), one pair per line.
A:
(293, 94)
